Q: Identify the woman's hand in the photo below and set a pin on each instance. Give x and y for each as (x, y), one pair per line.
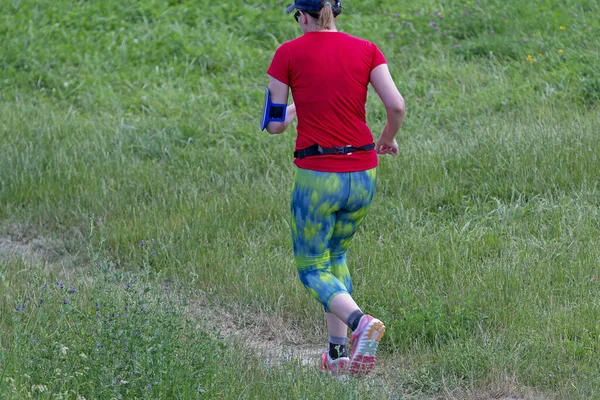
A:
(386, 146)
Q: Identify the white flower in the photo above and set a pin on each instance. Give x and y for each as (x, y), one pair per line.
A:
(63, 349)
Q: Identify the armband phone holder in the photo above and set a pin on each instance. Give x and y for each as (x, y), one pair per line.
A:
(272, 111)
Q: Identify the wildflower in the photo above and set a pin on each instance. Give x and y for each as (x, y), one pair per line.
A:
(525, 40)
(72, 289)
(492, 32)
(142, 243)
(403, 15)
(467, 13)
(41, 301)
(65, 301)
(391, 36)
(149, 387)
(560, 51)
(562, 28)
(19, 308)
(99, 221)
(385, 13)
(530, 59)
(395, 15)
(128, 285)
(63, 350)
(433, 24)
(153, 253)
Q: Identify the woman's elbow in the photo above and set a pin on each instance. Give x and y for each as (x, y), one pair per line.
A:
(275, 128)
(397, 107)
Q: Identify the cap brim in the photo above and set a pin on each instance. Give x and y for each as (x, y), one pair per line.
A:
(290, 8)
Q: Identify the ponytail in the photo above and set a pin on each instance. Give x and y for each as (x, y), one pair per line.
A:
(326, 18)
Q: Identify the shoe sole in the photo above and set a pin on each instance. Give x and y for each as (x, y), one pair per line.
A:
(363, 361)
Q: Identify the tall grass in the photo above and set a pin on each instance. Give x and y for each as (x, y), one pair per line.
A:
(479, 253)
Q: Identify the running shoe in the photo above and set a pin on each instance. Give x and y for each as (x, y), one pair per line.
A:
(339, 366)
(364, 343)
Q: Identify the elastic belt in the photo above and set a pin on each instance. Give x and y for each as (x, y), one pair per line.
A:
(317, 150)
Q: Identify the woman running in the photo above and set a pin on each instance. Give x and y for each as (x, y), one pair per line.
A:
(329, 73)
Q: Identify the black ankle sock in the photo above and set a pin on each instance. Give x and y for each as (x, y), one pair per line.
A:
(337, 351)
(354, 319)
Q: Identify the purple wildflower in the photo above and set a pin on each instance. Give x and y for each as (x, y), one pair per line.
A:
(65, 301)
(72, 289)
(149, 387)
(433, 24)
(395, 15)
(492, 32)
(41, 301)
(18, 308)
(467, 13)
(99, 221)
(142, 243)
(128, 285)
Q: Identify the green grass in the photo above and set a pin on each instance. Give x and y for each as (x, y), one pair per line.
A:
(479, 253)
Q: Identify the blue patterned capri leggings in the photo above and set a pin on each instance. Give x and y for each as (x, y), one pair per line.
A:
(327, 208)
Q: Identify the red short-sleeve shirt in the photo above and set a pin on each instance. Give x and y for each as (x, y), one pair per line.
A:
(328, 74)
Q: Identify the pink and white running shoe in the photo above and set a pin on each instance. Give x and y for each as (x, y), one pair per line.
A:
(339, 366)
(364, 342)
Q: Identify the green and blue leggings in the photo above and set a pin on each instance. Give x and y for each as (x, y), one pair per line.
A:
(327, 208)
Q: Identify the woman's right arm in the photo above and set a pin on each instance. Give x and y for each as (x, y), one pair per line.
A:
(384, 85)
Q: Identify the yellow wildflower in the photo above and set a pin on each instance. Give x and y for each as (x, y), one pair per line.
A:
(562, 28)
(530, 59)
(560, 51)
(403, 15)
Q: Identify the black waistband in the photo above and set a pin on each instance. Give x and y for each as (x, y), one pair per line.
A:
(317, 150)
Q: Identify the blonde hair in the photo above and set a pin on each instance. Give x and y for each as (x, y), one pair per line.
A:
(326, 18)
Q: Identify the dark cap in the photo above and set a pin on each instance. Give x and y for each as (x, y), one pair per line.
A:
(311, 5)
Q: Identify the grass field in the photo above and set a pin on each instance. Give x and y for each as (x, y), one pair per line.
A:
(140, 203)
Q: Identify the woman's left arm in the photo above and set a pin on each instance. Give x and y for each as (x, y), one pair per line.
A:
(279, 95)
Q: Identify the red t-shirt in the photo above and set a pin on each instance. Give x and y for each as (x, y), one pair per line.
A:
(328, 73)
